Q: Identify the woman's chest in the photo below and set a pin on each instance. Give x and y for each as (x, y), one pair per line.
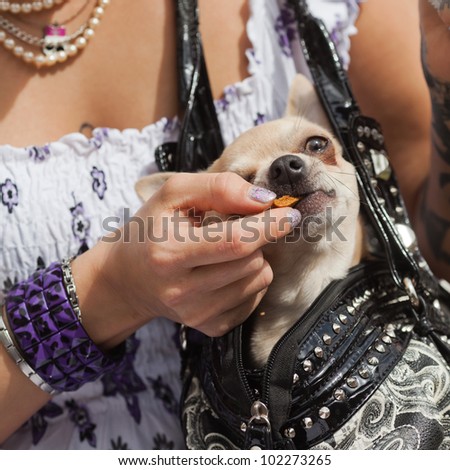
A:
(125, 77)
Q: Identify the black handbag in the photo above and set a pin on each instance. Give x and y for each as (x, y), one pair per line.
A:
(367, 366)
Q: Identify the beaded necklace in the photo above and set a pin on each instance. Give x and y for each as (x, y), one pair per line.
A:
(21, 8)
(56, 45)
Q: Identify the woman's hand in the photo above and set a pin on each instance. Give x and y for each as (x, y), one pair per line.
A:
(163, 263)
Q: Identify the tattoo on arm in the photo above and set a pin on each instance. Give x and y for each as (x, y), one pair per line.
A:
(440, 100)
(437, 228)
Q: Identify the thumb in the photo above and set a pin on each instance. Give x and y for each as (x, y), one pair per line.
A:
(226, 193)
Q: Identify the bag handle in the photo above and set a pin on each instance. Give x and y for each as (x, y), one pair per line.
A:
(363, 144)
(200, 141)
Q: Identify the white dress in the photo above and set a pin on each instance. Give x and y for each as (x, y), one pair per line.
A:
(53, 203)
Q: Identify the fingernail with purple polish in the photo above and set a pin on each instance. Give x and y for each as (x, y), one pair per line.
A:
(294, 216)
(262, 195)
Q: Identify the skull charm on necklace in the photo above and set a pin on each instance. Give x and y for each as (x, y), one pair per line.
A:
(55, 39)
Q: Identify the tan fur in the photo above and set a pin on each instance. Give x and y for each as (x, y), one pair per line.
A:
(302, 269)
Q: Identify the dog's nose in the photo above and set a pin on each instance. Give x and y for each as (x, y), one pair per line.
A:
(286, 169)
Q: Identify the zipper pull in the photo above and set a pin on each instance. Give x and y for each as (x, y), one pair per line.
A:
(258, 435)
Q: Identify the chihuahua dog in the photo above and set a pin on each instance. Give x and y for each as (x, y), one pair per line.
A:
(296, 156)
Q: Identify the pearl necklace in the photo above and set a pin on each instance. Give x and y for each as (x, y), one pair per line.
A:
(20, 8)
(56, 45)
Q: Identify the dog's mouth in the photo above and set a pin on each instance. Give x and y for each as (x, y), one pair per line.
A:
(309, 203)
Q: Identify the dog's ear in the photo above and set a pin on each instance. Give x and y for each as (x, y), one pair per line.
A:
(303, 101)
(148, 185)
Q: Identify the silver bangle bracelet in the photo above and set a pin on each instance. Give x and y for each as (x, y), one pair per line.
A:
(69, 284)
(13, 352)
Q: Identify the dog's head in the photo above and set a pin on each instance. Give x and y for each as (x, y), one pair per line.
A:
(298, 156)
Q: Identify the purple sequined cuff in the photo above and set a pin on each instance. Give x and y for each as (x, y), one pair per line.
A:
(48, 333)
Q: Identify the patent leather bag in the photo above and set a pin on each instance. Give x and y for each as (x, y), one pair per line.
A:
(367, 366)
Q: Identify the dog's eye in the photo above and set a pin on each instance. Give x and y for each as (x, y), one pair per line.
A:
(316, 144)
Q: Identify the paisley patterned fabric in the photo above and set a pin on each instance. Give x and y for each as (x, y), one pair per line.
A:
(409, 411)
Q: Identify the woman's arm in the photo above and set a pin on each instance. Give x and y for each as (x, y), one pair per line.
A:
(387, 77)
(19, 397)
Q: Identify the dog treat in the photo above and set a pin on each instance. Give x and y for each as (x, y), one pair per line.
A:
(285, 201)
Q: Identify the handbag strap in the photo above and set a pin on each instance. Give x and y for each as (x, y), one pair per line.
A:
(363, 145)
(200, 141)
